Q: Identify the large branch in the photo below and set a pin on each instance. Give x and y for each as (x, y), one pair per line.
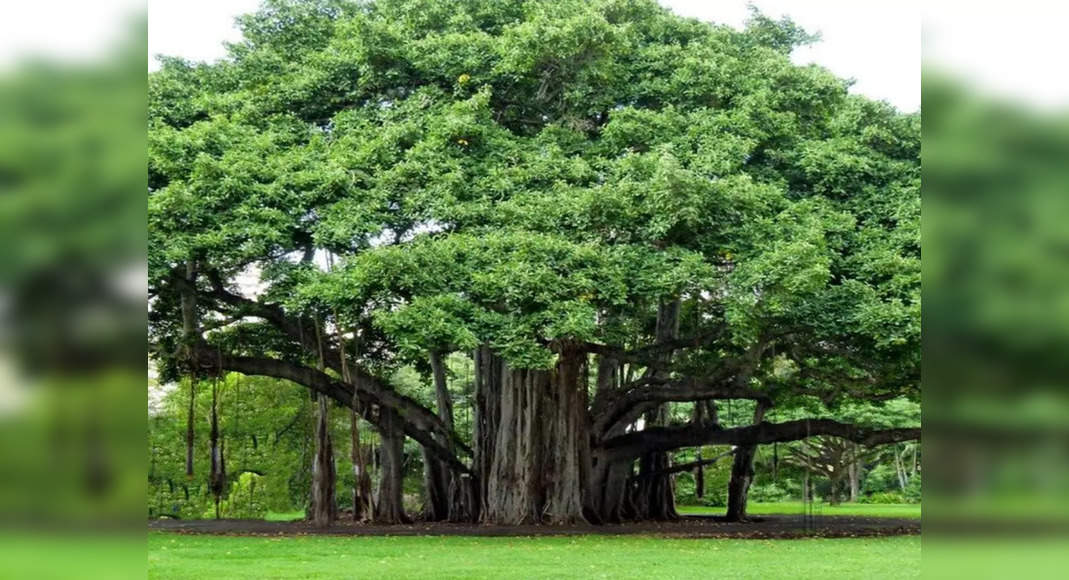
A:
(651, 355)
(416, 425)
(632, 445)
(300, 330)
(684, 466)
(653, 390)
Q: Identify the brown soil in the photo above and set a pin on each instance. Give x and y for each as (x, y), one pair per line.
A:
(760, 527)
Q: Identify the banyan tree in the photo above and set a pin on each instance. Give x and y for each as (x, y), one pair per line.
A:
(612, 210)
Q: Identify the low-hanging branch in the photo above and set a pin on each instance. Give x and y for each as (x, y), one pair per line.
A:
(415, 425)
(360, 379)
(633, 445)
(685, 466)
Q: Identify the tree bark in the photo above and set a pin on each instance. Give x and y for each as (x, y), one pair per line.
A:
(610, 499)
(488, 370)
(655, 490)
(532, 440)
(742, 473)
(389, 508)
(514, 493)
(567, 440)
(854, 474)
(361, 477)
(324, 507)
(437, 477)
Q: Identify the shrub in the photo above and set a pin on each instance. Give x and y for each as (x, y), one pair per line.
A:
(913, 490)
(882, 497)
(769, 492)
(245, 500)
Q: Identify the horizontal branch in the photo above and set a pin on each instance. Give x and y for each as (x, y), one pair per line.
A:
(416, 425)
(655, 439)
(684, 466)
(653, 389)
(650, 355)
(301, 330)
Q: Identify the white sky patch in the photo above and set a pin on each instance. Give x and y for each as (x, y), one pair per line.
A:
(1015, 50)
(65, 30)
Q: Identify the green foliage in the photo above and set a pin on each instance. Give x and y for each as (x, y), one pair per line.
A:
(519, 173)
(882, 497)
(768, 492)
(246, 498)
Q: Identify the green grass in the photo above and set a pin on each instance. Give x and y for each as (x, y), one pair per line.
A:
(284, 516)
(879, 510)
(204, 556)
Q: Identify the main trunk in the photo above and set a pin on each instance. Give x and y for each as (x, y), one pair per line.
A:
(514, 492)
(531, 442)
(566, 441)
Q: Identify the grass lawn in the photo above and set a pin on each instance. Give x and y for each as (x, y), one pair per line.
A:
(204, 556)
(879, 510)
(284, 516)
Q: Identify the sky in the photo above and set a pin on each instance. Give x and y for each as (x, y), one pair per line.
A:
(876, 43)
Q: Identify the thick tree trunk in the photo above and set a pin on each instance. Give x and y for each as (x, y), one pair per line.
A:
(389, 508)
(742, 474)
(654, 491)
(531, 440)
(324, 507)
(617, 505)
(608, 488)
(488, 371)
(567, 440)
(463, 506)
(514, 493)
